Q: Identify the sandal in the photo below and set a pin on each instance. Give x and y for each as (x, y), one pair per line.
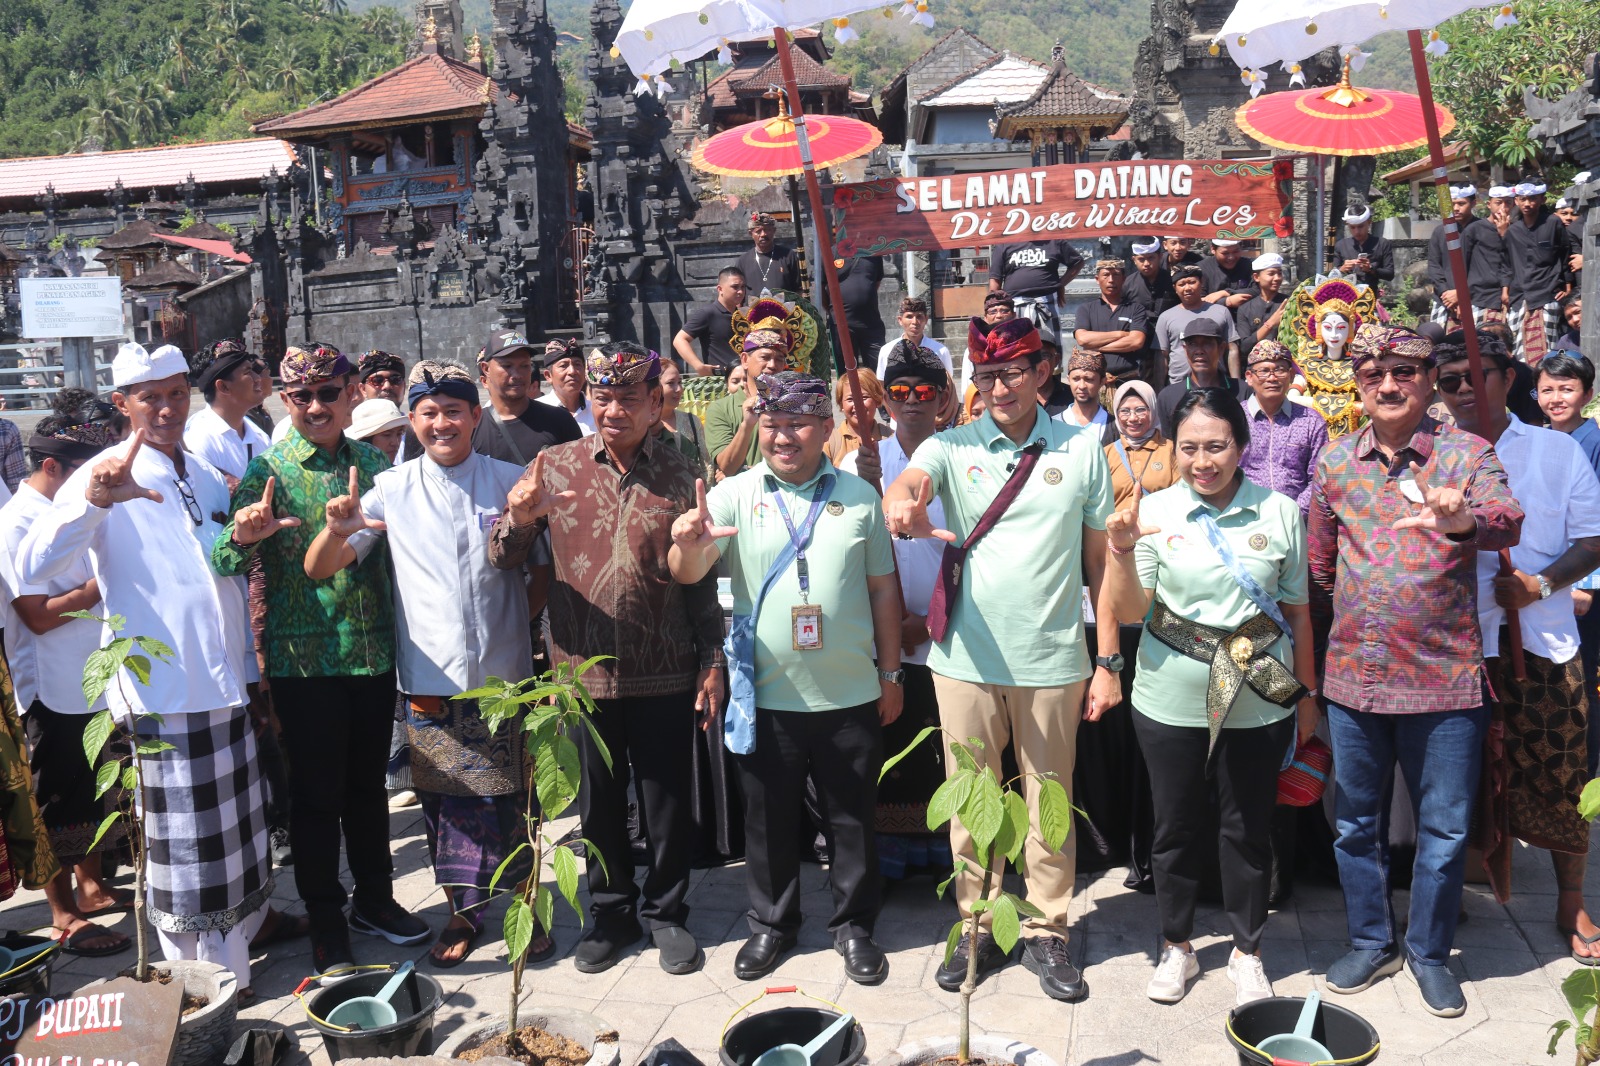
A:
(543, 953)
(449, 938)
(1588, 941)
(72, 944)
(122, 903)
(279, 927)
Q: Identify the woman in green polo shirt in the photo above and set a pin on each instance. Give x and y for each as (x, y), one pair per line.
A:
(1219, 565)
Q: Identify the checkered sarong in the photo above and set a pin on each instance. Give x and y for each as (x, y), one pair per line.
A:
(205, 823)
(1534, 333)
(1481, 316)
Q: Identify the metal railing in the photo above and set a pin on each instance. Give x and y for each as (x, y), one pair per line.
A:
(40, 361)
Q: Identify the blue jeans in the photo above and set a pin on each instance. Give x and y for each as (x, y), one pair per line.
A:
(1439, 753)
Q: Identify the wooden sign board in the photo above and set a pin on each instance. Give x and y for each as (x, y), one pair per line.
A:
(1233, 199)
(119, 1023)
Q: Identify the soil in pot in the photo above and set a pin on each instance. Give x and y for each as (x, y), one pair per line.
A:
(191, 1002)
(533, 1046)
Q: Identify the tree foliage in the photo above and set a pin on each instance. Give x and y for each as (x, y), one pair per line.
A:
(78, 74)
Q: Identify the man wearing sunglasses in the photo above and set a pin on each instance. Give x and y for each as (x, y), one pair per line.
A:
(1399, 512)
(330, 656)
(383, 376)
(1009, 658)
(1545, 757)
(233, 381)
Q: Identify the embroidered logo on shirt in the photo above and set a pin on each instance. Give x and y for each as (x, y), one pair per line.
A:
(835, 508)
(760, 512)
(1175, 543)
(1052, 476)
(1258, 541)
(976, 477)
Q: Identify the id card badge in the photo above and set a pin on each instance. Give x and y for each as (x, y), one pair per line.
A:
(807, 621)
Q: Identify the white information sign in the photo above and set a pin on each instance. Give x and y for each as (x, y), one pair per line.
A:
(71, 307)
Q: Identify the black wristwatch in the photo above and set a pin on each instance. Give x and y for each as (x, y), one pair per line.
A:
(1114, 663)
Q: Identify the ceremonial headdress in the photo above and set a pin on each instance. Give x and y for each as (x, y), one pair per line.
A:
(1084, 359)
(913, 360)
(1219, 242)
(1111, 264)
(1464, 192)
(318, 362)
(219, 360)
(1001, 342)
(1356, 215)
(1373, 341)
(625, 366)
(1151, 248)
(377, 362)
(559, 349)
(793, 393)
(456, 388)
(761, 218)
(1266, 261)
(1529, 188)
(134, 365)
(770, 323)
(1499, 192)
(1270, 351)
(439, 369)
(75, 434)
(999, 298)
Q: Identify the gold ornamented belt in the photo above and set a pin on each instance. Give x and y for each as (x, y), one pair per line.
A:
(1236, 658)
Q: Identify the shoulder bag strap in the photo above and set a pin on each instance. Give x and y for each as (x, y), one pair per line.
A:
(1245, 580)
(505, 435)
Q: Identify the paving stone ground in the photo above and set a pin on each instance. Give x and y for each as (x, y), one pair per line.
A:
(1510, 957)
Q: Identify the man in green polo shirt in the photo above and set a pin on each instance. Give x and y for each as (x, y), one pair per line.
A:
(1010, 664)
(819, 700)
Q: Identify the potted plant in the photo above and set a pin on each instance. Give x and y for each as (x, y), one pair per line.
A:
(997, 817)
(210, 990)
(549, 710)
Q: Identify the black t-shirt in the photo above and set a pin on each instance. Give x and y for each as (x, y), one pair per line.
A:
(1191, 258)
(1129, 317)
(1247, 320)
(859, 279)
(711, 325)
(1168, 399)
(780, 270)
(539, 426)
(1538, 256)
(1155, 296)
(1380, 253)
(1485, 253)
(1214, 277)
(1033, 269)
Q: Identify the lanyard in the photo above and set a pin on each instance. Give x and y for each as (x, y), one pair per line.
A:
(801, 537)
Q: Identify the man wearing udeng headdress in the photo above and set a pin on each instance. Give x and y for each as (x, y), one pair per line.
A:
(770, 337)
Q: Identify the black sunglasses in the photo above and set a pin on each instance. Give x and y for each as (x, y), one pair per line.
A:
(325, 394)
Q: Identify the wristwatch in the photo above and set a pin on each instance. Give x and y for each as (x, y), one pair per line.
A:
(1114, 663)
(894, 677)
(1545, 588)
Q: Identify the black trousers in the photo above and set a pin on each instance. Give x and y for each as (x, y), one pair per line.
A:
(1243, 790)
(842, 751)
(654, 736)
(337, 733)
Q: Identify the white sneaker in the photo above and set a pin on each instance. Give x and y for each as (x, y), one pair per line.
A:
(1173, 974)
(403, 799)
(1249, 977)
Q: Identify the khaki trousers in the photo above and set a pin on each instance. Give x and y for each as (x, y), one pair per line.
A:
(1042, 726)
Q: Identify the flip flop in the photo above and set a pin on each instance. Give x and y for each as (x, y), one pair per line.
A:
(1590, 941)
(123, 904)
(71, 945)
(284, 927)
(543, 953)
(449, 939)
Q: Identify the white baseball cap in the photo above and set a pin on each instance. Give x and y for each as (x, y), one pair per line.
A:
(133, 364)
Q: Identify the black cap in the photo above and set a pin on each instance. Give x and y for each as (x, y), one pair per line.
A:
(503, 342)
(1202, 326)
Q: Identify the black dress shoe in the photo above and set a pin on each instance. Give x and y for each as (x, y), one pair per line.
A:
(991, 960)
(1047, 956)
(864, 961)
(760, 955)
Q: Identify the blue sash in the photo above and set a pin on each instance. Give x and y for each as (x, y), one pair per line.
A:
(739, 721)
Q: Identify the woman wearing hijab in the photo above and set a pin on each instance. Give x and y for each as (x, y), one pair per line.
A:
(1140, 454)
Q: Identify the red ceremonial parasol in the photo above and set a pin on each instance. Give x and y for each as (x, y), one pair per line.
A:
(1343, 120)
(771, 149)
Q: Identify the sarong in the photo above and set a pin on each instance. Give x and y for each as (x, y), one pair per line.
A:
(64, 783)
(1532, 328)
(27, 844)
(206, 822)
(468, 838)
(1546, 750)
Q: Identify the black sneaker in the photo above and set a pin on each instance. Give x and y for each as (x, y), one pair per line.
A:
(1047, 956)
(282, 853)
(389, 920)
(991, 960)
(330, 954)
(603, 945)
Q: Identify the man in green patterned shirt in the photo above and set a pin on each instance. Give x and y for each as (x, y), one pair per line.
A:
(330, 657)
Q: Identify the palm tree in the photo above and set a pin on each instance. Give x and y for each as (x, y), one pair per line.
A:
(336, 7)
(103, 117)
(221, 50)
(240, 79)
(285, 67)
(146, 111)
(179, 61)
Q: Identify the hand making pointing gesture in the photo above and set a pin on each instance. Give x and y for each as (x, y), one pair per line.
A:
(909, 518)
(1123, 528)
(1444, 510)
(112, 479)
(527, 501)
(345, 518)
(256, 522)
(693, 528)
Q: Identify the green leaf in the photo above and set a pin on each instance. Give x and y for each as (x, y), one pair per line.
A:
(1589, 800)
(139, 666)
(948, 798)
(963, 756)
(87, 616)
(130, 778)
(983, 810)
(1055, 813)
(96, 733)
(894, 760)
(105, 824)
(1026, 908)
(952, 941)
(556, 774)
(961, 868)
(599, 742)
(518, 928)
(979, 906)
(98, 670)
(154, 747)
(1014, 825)
(104, 778)
(566, 870)
(1556, 1031)
(593, 852)
(544, 908)
(159, 649)
(1582, 992)
(1004, 923)
(500, 870)
(589, 662)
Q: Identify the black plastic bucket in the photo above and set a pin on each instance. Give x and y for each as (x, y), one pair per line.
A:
(747, 1038)
(1349, 1037)
(34, 979)
(416, 1002)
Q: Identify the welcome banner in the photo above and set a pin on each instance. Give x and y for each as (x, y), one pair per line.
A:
(1201, 198)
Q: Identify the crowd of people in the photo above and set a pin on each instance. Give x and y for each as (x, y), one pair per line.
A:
(1008, 550)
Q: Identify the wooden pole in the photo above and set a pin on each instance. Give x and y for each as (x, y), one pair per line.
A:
(1458, 273)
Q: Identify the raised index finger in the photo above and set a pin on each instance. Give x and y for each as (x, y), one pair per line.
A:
(1420, 476)
(133, 449)
(266, 493)
(355, 483)
(700, 495)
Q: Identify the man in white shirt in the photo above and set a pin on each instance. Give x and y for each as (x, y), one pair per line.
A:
(913, 320)
(146, 514)
(460, 621)
(1545, 758)
(563, 369)
(233, 382)
(46, 651)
